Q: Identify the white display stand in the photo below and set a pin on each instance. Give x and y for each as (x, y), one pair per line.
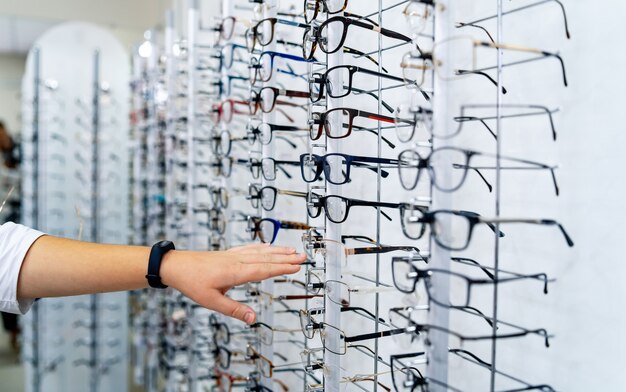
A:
(75, 182)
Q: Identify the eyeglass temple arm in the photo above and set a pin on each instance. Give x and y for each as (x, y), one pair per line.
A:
(371, 94)
(357, 52)
(291, 144)
(544, 54)
(482, 73)
(548, 222)
(288, 117)
(358, 128)
(383, 249)
(357, 309)
(469, 24)
(567, 32)
(383, 173)
(374, 335)
(361, 238)
(381, 30)
(364, 203)
(537, 165)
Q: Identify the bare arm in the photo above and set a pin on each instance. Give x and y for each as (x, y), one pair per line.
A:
(56, 267)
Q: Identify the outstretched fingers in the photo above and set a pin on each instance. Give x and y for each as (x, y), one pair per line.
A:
(273, 258)
(261, 271)
(231, 308)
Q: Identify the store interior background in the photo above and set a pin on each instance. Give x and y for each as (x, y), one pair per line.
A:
(585, 306)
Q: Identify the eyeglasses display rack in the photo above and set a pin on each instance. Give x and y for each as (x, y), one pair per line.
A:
(73, 122)
(387, 140)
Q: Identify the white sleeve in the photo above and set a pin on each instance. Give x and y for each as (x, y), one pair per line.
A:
(15, 241)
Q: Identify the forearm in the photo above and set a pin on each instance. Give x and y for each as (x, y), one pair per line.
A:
(55, 267)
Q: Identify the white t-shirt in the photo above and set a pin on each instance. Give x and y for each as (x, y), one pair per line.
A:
(15, 241)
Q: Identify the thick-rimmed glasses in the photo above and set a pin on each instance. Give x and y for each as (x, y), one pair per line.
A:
(267, 98)
(261, 68)
(315, 36)
(411, 165)
(456, 57)
(267, 229)
(264, 132)
(336, 167)
(267, 196)
(325, 122)
(406, 277)
(321, 84)
(263, 32)
(337, 208)
(452, 229)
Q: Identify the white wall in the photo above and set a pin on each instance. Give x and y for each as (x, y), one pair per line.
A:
(11, 70)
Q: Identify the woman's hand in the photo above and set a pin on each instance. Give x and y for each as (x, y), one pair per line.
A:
(205, 277)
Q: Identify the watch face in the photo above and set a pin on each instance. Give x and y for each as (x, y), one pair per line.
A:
(165, 244)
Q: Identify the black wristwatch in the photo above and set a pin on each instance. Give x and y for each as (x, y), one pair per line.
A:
(154, 263)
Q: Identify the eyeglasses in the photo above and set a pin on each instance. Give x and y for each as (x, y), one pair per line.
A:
(321, 84)
(267, 195)
(515, 10)
(316, 248)
(531, 111)
(228, 55)
(227, 381)
(406, 276)
(219, 196)
(337, 208)
(267, 229)
(406, 377)
(419, 12)
(331, 7)
(224, 111)
(222, 143)
(336, 167)
(441, 223)
(226, 27)
(264, 131)
(411, 163)
(320, 35)
(261, 69)
(225, 357)
(226, 89)
(257, 34)
(266, 332)
(267, 98)
(461, 56)
(268, 167)
(340, 293)
(217, 221)
(325, 122)
(404, 323)
(411, 120)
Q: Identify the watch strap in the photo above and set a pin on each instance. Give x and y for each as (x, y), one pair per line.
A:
(154, 263)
